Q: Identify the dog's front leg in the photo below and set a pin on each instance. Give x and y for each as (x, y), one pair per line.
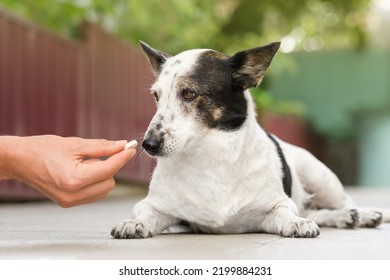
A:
(146, 222)
(283, 221)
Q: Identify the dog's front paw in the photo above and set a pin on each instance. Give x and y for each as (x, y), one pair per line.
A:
(131, 229)
(300, 228)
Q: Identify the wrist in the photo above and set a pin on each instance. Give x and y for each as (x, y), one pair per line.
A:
(9, 145)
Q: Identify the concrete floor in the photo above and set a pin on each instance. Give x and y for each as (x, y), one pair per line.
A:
(42, 230)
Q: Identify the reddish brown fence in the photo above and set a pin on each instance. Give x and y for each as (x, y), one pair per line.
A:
(95, 88)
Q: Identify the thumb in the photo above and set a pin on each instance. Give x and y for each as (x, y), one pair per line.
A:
(94, 148)
(98, 170)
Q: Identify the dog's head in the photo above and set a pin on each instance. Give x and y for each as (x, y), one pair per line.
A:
(200, 90)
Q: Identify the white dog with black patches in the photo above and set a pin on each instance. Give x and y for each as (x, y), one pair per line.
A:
(217, 170)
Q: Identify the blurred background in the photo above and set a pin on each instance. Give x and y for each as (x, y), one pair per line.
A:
(74, 68)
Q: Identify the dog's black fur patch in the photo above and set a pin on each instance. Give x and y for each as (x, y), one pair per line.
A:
(218, 103)
(287, 178)
(219, 82)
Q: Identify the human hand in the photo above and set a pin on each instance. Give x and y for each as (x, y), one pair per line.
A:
(68, 170)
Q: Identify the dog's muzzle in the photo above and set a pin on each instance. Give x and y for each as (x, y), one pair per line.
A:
(152, 145)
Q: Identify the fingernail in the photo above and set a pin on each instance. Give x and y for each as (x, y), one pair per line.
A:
(131, 144)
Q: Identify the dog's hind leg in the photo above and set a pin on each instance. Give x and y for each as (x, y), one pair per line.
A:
(385, 214)
(147, 222)
(341, 218)
(370, 218)
(329, 205)
(345, 218)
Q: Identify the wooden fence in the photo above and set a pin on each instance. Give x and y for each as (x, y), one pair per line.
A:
(93, 88)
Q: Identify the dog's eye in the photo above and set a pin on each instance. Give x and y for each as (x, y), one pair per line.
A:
(187, 94)
(155, 95)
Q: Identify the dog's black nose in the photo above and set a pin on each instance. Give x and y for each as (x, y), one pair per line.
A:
(152, 145)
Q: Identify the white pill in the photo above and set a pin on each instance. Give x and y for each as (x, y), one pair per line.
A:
(131, 144)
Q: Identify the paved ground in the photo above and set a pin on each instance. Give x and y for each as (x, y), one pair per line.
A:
(42, 230)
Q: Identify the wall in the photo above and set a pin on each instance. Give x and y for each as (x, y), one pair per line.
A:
(374, 142)
(343, 91)
(337, 85)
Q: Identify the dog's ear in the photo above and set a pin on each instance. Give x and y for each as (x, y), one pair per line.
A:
(157, 58)
(248, 66)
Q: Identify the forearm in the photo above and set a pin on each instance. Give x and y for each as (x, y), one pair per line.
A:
(8, 156)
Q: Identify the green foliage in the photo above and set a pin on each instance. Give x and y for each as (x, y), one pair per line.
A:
(61, 16)
(224, 25)
(265, 101)
(173, 25)
(313, 24)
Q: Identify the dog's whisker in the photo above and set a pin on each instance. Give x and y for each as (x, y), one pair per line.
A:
(149, 78)
(145, 90)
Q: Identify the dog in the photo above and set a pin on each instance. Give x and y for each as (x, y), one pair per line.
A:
(217, 170)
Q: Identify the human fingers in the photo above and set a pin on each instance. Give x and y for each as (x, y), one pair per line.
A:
(93, 170)
(94, 148)
(87, 194)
